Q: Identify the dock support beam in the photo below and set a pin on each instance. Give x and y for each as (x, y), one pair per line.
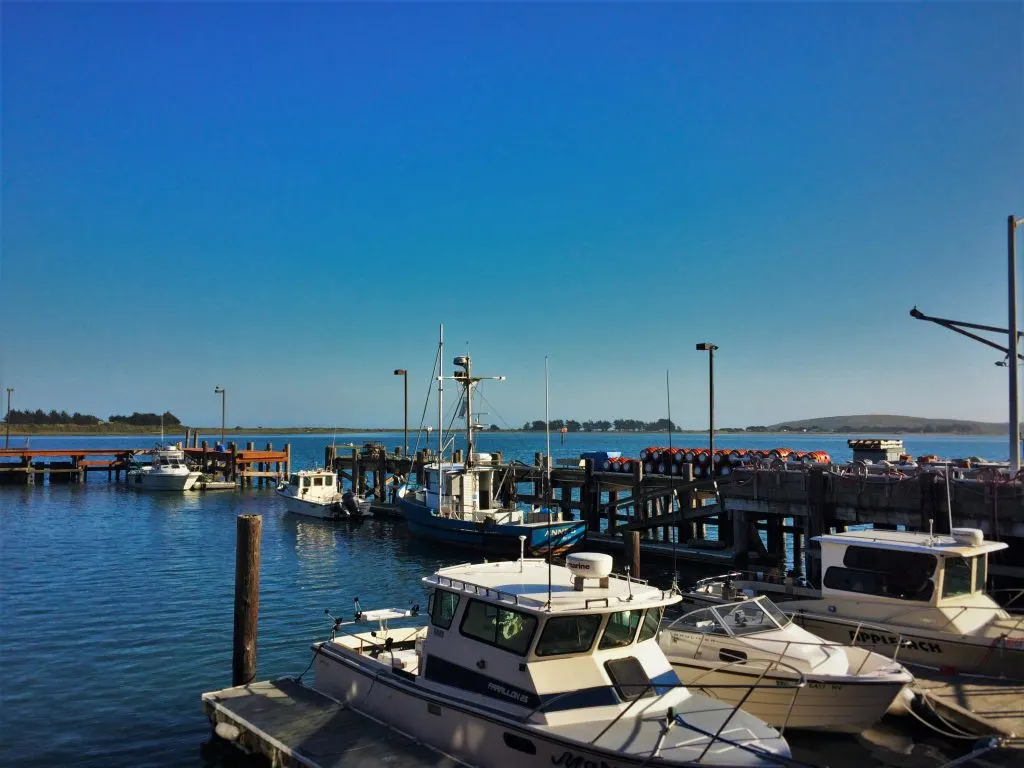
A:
(632, 552)
(247, 598)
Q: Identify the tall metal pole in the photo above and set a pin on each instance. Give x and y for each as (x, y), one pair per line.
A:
(1012, 364)
(405, 378)
(711, 405)
(7, 437)
(223, 408)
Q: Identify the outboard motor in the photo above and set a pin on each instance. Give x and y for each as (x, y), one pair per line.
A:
(348, 502)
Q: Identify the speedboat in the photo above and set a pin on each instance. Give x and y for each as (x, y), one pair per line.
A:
(459, 503)
(168, 471)
(918, 597)
(811, 683)
(527, 663)
(315, 493)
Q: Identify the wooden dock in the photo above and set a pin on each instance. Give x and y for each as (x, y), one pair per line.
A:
(979, 706)
(790, 504)
(291, 724)
(242, 466)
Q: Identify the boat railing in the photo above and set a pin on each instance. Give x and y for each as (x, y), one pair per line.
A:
(673, 718)
(478, 589)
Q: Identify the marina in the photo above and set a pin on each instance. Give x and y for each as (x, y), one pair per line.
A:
(301, 563)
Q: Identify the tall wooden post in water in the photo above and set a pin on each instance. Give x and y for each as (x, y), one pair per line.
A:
(247, 598)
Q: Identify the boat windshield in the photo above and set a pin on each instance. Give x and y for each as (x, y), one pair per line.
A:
(745, 618)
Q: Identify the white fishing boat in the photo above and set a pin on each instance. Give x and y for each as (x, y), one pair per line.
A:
(167, 471)
(526, 663)
(316, 493)
(918, 597)
(811, 683)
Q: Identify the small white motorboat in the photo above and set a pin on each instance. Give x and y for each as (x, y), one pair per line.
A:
(523, 663)
(168, 471)
(811, 683)
(315, 493)
(920, 596)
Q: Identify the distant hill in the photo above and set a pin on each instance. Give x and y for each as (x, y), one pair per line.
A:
(888, 423)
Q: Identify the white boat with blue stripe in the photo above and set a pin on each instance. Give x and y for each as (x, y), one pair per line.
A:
(526, 663)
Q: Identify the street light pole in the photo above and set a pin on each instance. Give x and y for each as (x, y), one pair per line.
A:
(710, 349)
(7, 437)
(223, 409)
(1011, 359)
(405, 377)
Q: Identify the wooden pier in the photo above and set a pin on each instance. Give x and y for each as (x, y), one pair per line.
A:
(788, 504)
(21, 466)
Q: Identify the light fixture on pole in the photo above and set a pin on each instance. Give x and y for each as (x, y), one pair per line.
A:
(223, 409)
(7, 437)
(710, 349)
(405, 377)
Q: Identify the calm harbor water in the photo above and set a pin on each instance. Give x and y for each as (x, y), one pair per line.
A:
(116, 605)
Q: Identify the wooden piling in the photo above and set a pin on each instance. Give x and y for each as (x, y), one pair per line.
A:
(632, 552)
(247, 598)
(288, 459)
(613, 511)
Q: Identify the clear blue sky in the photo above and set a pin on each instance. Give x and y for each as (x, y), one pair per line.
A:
(287, 199)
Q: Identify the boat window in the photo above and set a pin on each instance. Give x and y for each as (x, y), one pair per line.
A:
(773, 610)
(629, 678)
(889, 560)
(746, 618)
(294, 480)
(620, 630)
(442, 608)
(904, 586)
(956, 580)
(508, 630)
(305, 482)
(652, 620)
(318, 481)
(702, 620)
(980, 575)
(568, 634)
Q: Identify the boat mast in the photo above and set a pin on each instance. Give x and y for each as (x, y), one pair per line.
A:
(547, 472)
(468, 383)
(440, 420)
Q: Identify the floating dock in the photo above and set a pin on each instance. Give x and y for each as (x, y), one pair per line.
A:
(980, 706)
(291, 724)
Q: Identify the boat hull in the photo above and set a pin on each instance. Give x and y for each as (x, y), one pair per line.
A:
(488, 738)
(823, 704)
(163, 481)
(964, 653)
(331, 511)
(501, 539)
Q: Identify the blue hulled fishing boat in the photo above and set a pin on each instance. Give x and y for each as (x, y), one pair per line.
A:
(459, 502)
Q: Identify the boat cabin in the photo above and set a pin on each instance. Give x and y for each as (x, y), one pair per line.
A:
(937, 570)
(465, 494)
(313, 484)
(495, 634)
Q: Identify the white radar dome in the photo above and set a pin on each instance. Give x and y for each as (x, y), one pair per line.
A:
(971, 536)
(589, 565)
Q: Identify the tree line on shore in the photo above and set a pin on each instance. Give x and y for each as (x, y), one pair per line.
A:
(620, 425)
(41, 417)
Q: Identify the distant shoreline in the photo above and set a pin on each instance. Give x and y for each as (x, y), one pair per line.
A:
(22, 430)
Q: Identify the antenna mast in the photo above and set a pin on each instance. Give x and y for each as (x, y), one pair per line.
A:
(547, 473)
(440, 419)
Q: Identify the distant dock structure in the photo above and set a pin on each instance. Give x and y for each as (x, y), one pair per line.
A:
(244, 466)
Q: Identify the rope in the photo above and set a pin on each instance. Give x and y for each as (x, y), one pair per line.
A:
(315, 654)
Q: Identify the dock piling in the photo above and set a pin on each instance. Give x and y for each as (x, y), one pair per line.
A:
(247, 598)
